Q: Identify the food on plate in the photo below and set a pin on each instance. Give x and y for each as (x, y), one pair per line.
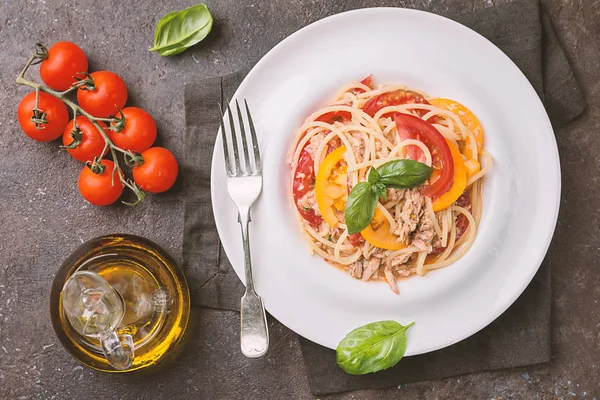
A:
(387, 181)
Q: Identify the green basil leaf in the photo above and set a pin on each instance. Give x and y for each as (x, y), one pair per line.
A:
(381, 190)
(372, 347)
(360, 207)
(179, 30)
(373, 175)
(404, 173)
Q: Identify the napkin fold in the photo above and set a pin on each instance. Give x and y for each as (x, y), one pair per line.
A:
(521, 336)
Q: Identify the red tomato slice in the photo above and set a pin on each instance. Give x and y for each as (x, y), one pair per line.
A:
(304, 181)
(335, 116)
(395, 98)
(411, 126)
(368, 81)
(407, 131)
(356, 239)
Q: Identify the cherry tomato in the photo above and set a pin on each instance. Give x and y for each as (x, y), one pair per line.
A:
(395, 98)
(106, 97)
(139, 130)
(98, 188)
(304, 181)
(91, 142)
(409, 126)
(158, 171)
(65, 62)
(56, 115)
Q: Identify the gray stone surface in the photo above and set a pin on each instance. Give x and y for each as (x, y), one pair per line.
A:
(43, 218)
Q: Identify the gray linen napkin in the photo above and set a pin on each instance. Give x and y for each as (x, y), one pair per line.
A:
(521, 336)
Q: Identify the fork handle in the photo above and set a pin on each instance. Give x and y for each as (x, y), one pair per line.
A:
(254, 334)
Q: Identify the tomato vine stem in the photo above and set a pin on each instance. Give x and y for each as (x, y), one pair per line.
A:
(39, 117)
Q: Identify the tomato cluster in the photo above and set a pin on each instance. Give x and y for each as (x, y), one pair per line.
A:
(101, 126)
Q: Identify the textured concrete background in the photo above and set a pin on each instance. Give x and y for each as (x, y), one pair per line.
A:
(43, 218)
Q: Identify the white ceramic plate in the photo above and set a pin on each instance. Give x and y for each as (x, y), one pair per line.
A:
(521, 194)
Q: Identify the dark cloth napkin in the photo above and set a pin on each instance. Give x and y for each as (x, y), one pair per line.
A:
(521, 336)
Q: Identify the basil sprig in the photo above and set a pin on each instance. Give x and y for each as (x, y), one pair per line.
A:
(363, 198)
(179, 30)
(372, 347)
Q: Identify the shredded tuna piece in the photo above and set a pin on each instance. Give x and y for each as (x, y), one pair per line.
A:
(400, 259)
(402, 270)
(358, 146)
(412, 210)
(372, 267)
(313, 144)
(395, 195)
(390, 279)
(309, 201)
(356, 269)
(374, 252)
(423, 236)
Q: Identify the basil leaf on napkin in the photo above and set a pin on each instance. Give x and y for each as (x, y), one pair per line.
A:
(179, 30)
(360, 207)
(372, 347)
(403, 173)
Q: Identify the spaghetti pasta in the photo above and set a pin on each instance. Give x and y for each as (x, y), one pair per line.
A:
(410, 233)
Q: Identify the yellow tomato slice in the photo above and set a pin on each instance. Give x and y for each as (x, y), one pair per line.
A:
(331, 185)
(458, 185)
(378, 233)
(467, 118)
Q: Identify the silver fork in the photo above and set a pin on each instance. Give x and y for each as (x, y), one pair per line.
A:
(244, 186)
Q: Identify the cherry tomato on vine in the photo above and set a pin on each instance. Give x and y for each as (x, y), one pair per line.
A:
(97, 186)
(105, 96)
(87, 141)
(52, 111)
(158, 172)
(139, 130)
(65, 61)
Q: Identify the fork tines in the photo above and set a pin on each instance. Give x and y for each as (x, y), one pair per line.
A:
(251, 164)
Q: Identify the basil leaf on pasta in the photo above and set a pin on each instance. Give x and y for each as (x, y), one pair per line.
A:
(373, 176)
(404, 173)
(360, 207)
(380, 190)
